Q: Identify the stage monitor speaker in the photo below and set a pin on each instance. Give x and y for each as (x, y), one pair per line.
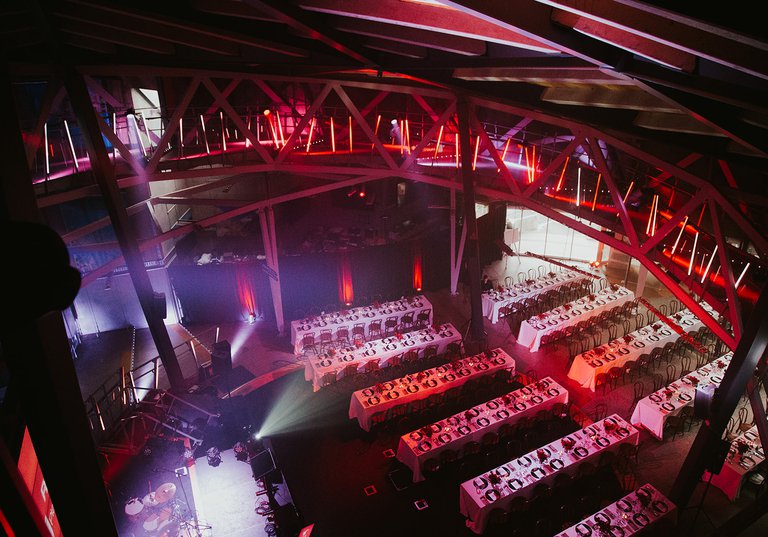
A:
(159, 305)
(221, 357)
(702, 401)
(262, 463)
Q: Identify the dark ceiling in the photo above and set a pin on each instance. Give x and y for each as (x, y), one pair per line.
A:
(695, 79)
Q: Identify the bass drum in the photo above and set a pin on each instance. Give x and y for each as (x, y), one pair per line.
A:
(169, 528)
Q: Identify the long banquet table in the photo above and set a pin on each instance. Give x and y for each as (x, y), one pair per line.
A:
(498, 487)
(405, 390)
(470, 425)
(363, 314)
(630, 515)
(532, 330)
(738, 463)
(495, 299)
(651, 412)
(381, 350)
(586, 366)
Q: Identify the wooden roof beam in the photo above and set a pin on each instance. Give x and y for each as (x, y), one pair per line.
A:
(403, 34)
(426, 17)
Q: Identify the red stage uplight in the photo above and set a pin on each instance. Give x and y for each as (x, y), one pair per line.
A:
(417, 268)
(245, 293)
(346, 291)
(361, 193)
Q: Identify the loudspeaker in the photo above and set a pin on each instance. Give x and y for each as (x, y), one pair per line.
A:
(702, 401)
(713, 461)
(158, 304)
(221, 357)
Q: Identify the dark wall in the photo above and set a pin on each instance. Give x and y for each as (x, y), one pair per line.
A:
(309, 282)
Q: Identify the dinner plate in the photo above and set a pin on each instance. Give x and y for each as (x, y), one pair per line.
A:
(464, 430)
(502, 414)
(520, 407)
(685, 397)
(429, 338)
(431, 383)
(373, 400)
(553, 392)
(347, 358)
(425, 445)
(499, 360)
(325, 363)
(537, 399)
(576, 312)
(415, 435)
(444, 438)
(610, 357)
(480, 482)
(492, 495)
(368, 392)
(653, 337)
(526, 390)
(602, 517)
(493, 405)
(483, 422)
(602, 441)
(596, 363)
(659, 506)
(624, 505)
(503, 471)
(588, 307)
(583, 529)
(412, 388)
(482, 366)
(623, 350)
(524, 461)
(450, 377)
(447, 333)
(463, 372)
(556, 464)
(746, 462)
(537, 473)
(392, 395)
(640, 519)
(304, 327)
(515, 484)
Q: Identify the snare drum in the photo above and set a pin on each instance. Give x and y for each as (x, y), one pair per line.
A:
(152, 522)
(150, 501)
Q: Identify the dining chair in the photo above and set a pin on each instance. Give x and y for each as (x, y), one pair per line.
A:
(390, 325)
(326, 339)
(374, 329)
(328, 378)
(422, 319)
(308, 343)
(599, 412)
(508, 281)
(406, 321)
(671, 373)
(615, 376)
(358, 331)
(602, 381)
(342, 336)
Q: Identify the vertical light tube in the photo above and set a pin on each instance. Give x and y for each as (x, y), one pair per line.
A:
(138, 134)
(477, 148)
(114, 131)
(743, 272)
(597, 189)
(223, 137)
(247, 138)
(45, 149)
(685, 222)
(439, 138)
(559, 185)
(376, 130)
(655, 214)
(457, 150)
(205, 135)
(578, 187)
(333, 137)
(181, 137)
(311, 130)
(709, 265)
(280, 128)
(71, 145)
(693, 253)
(350, 133)
(407, 138)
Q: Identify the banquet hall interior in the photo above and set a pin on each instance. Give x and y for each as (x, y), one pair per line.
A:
(344, 268)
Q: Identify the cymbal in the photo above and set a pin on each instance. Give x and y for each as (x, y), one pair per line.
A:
(165, 492)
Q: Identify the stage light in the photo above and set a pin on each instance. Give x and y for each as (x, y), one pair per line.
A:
(251, 318)
(266, 112)
(214, 456)
(257, 435)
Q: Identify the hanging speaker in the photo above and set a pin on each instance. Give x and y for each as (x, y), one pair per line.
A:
(714, 459)
(158, 303)
(221, 357)
(702, 401)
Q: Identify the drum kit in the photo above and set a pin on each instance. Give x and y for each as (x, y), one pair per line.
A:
(159, 513)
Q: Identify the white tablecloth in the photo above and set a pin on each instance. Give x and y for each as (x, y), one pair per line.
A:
(494, 300)
(349, 318)
(651, 412)
(531, 330)
(381, 350)
(631, 514)
(478, 496)
(470, 425)
(403, 391)
(588, 365)
(738, 465)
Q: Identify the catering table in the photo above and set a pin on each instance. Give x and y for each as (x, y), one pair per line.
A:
(630, 515)
(405, 390)
(471, 424)
(381, 350)
(497, 488)
(363, 314)
(745, 455)
(586, 366)
(531, 330)
(495, 299)
(652, 411)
